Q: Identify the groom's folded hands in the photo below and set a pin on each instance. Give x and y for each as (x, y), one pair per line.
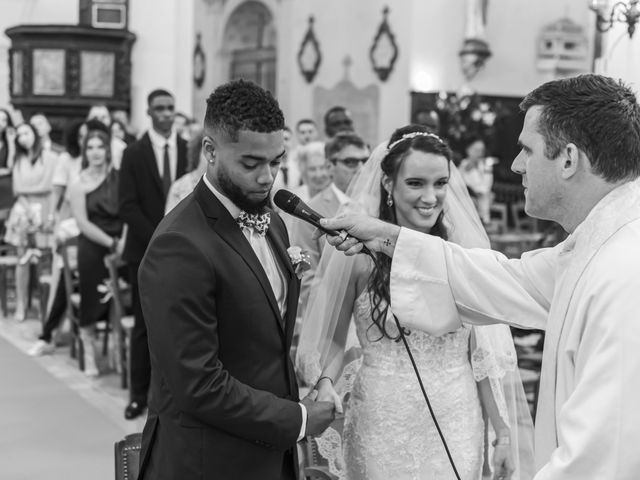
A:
(319, 414)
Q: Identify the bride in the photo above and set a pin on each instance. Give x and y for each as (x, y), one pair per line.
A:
(469, 374)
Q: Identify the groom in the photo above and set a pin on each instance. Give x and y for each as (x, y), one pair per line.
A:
(219, 296)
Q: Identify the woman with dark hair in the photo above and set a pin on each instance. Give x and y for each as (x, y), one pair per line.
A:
(119, 130)
(67, 172)
(7, 152)
(477, 171)
(94, 205)
(7, 134)
(388, 431)
(32, 175)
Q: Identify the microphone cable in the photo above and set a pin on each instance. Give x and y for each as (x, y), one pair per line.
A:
(415, 369)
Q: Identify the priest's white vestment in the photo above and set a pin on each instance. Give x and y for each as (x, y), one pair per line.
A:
(585, 293)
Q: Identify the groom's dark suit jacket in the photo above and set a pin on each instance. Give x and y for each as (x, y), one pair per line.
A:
(223, 401)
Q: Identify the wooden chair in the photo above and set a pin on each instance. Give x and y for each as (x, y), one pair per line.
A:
(521, 221)
(121, 321)
(127, 456)
(498, 214)
(67, 251)
(41, 281)
(8, 262)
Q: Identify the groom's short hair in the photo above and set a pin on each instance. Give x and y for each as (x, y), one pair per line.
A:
(242, 105)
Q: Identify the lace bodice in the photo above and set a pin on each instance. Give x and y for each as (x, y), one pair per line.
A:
(430, 353)
(388, 431)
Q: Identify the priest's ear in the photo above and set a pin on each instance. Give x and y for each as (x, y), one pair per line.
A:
(573, 160)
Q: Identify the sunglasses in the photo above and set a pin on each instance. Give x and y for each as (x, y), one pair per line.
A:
(351, 162)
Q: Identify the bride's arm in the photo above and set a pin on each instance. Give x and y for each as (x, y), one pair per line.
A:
(333, 369)
(503, 464)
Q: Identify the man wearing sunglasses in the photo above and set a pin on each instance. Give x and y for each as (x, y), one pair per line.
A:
(345, 153)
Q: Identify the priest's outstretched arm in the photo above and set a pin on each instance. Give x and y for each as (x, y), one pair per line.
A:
(477, 286)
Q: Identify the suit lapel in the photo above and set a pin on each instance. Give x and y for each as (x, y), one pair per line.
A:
(227, 228)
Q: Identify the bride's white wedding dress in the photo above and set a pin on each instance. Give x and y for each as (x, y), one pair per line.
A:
(388, 431)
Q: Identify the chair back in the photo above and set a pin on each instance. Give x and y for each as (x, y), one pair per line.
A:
(498, 218)
(521, 221)
(121, 322)
(68, 250)
(127, 455)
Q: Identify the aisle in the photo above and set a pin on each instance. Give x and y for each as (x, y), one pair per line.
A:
(47, 430)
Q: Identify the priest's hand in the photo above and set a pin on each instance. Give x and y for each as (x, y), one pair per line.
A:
(361, 230)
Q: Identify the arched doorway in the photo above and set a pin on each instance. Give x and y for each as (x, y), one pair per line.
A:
(250, 43)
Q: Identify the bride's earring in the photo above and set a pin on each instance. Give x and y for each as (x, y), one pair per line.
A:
(389, 200)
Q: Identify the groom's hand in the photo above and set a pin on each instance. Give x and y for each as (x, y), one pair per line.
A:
(319, 414)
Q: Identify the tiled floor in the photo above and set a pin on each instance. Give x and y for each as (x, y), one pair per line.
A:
(55, 423)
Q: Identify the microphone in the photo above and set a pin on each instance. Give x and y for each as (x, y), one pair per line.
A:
(293, 205)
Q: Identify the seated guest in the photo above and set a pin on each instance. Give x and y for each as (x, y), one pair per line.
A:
(40, 122)
(196, 166)
(118, 130)
(313, 170)
(345, 154)
(100, 112)
(7, 154)
(477, 171)
(32, 176)
(337, 119)
(306, 131)
(314, 174)
(67, 172)
(94, 205)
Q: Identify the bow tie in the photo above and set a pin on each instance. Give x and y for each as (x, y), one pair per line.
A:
(258, 222)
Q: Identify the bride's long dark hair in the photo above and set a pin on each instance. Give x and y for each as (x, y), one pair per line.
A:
(378, 285)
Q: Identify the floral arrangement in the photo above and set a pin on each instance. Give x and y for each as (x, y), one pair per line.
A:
(464, 115)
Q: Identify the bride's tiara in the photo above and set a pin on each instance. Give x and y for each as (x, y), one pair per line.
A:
(407, 136)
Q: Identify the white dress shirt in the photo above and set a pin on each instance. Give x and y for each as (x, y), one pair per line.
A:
(158, 142)
(267, 259)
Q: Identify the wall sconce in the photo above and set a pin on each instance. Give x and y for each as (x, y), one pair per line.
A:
(384, 50)
(309, 55)
(473, 56)
(627, 12)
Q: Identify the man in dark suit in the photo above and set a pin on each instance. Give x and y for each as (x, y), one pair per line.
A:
(219, 296)
(149, 166)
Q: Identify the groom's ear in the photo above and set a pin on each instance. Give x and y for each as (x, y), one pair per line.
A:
(209, 149)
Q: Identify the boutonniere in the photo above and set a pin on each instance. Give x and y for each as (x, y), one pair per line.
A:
(299, 259)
